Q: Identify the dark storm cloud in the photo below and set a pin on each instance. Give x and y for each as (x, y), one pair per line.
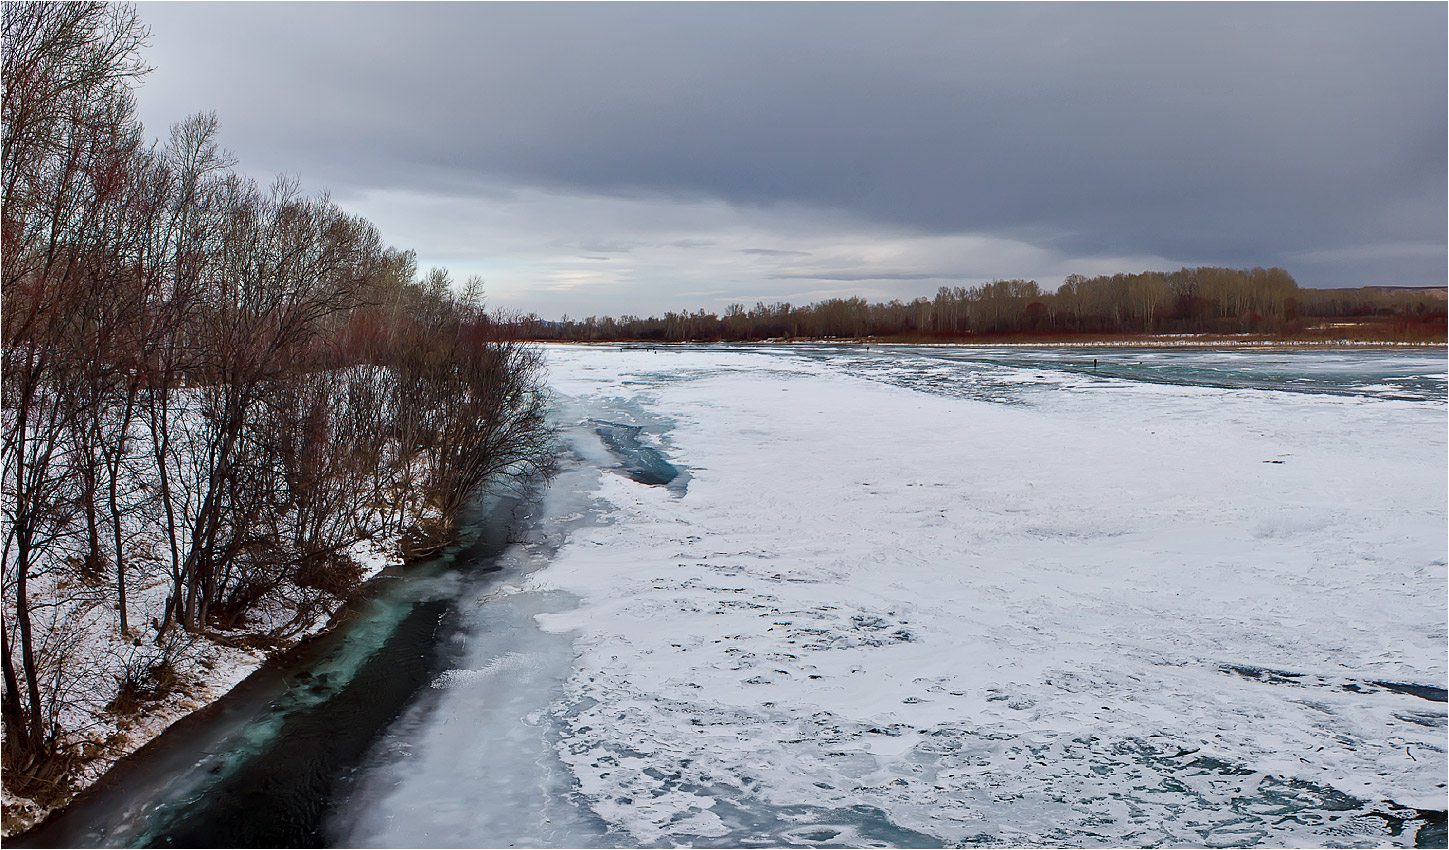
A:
(1234, 133)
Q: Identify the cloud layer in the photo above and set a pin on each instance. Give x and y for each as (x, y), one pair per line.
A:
(941, 140)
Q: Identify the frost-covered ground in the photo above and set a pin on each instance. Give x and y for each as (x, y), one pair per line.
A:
(76, 620)
(207, 670)
(901, 598)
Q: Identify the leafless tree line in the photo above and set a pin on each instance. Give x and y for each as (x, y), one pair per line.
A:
(208, 385)
(1190, 300)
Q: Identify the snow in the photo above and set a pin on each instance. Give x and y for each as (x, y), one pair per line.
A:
(916, 596)
(83, 616)
(879, 613)
(207, 671)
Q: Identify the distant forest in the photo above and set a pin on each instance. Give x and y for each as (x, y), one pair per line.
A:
(1214, 301)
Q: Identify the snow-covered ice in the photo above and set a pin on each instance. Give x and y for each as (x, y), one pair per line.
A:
(909, 598)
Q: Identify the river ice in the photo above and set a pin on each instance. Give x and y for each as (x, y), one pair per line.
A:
(915, 598)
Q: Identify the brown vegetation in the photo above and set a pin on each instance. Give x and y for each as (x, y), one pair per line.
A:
(1226, 303)
(244, 376)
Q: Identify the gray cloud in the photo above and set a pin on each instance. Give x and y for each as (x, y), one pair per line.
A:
(607, 247)
(873, 275)
(1227, 133)
(773, 252)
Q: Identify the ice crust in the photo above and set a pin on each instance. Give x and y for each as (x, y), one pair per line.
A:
(882, 615)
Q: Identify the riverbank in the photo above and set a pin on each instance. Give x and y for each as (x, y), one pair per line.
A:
(206, 669)
(208, 567)
(257, 766)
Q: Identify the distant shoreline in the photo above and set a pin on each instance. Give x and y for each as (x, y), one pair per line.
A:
(1184, 341)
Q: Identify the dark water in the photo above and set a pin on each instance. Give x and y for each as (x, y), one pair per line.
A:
(1430, 693)
(637, 460)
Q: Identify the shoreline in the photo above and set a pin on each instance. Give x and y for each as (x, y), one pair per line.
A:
(172, 750)
(1136, 342)
(253, 678)
(217, 670)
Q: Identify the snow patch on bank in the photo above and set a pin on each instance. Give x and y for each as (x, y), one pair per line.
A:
(206, 669)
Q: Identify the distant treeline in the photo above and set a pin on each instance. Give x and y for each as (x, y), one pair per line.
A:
(1187, 301)
(211, 391)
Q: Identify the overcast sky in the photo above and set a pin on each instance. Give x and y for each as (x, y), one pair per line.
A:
(620, 158)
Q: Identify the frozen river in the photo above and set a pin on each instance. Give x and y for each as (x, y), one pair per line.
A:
(817, 595)
(921, 597)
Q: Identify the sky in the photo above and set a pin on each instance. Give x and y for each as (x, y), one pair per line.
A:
(621, 158)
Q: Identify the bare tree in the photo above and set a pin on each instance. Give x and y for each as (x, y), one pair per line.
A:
(248, 376)
(66, 116)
